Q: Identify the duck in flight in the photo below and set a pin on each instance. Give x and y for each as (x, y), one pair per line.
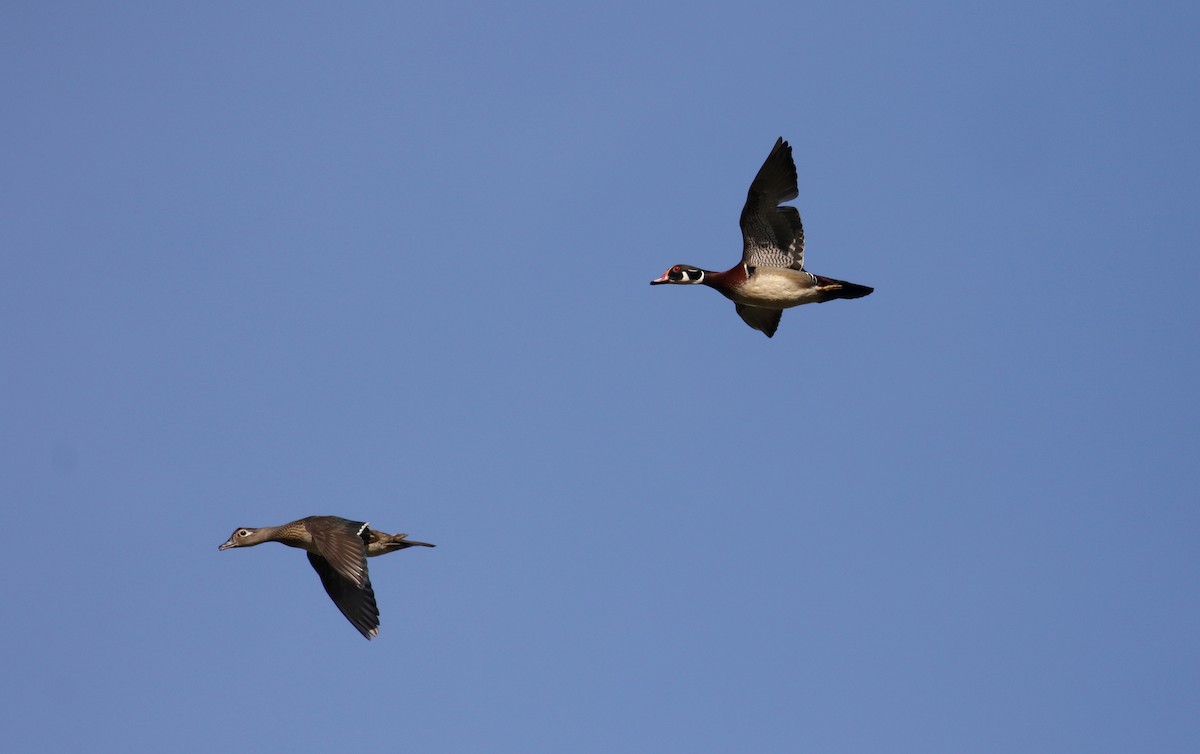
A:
(771, 276)
(338, 550)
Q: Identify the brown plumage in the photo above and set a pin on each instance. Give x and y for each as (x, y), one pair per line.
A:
(338, 550)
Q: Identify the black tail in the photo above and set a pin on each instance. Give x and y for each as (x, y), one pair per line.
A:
(410, 543)
(843, 289)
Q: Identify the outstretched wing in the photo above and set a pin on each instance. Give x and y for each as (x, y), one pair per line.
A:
(340, 542)
(341, 562)
(773, 236)
(356, 602)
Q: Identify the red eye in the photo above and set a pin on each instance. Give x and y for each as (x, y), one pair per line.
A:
(675, 268)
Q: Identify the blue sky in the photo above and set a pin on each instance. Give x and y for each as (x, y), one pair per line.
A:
(391, 263)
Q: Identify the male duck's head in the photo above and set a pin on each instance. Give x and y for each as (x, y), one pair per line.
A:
(681, 274)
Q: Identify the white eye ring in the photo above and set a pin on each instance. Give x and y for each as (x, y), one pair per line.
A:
(243, 532)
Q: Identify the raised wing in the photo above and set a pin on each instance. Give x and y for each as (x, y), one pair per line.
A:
(773, 236)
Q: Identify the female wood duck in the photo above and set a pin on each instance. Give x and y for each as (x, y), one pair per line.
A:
(771, 275)
(338, 550)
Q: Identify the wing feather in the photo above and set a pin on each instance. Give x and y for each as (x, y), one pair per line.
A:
(773, 236)
(356, 602)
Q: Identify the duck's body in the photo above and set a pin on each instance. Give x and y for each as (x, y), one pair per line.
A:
(338, 549)
(771, 276)
(769, 287)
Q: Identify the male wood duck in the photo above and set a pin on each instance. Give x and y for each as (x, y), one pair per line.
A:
(338, 550)
(771, 275)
